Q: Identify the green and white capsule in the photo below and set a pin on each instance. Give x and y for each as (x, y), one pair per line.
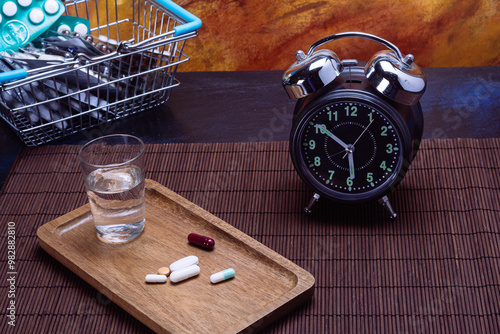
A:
(222, 275)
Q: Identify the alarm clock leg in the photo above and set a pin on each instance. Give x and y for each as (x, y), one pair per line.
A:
(312, 202)
(384, 201)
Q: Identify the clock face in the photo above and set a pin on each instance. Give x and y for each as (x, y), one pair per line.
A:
(349, 149)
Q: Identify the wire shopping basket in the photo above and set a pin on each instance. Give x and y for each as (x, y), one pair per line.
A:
(134, 71)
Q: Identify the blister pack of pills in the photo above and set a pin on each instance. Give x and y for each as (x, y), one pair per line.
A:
(21, 21)
(71, 24)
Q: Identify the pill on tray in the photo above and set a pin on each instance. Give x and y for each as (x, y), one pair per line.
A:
(184, 262)
(222, 275)
(201, 240)
(153, 278)
(185, 273)
(164, 271)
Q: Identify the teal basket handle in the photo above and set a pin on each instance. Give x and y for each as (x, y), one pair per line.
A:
(193, 23)
(13, 75)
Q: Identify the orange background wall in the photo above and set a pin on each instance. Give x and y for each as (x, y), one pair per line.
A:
(264, 35)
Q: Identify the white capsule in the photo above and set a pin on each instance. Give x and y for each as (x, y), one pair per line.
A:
(36, 16)
(81, 29)
(24, 3)
(184, 262)
(103, 38)
(51, 6)
(62, 28)
(153, 278)
(185, 273)
(9, 8)
(222, 275)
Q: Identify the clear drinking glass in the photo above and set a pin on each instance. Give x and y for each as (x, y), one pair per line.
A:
(113, 168)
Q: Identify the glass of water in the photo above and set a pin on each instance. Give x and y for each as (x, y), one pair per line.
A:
(113, 167)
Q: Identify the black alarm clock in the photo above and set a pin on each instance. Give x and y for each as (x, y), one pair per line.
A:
(357, 125)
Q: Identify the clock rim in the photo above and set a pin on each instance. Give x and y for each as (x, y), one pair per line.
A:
(351, 95)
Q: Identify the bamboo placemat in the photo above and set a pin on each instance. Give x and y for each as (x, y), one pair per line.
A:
(435, 269)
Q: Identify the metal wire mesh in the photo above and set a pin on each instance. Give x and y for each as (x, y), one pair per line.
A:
(135, 74)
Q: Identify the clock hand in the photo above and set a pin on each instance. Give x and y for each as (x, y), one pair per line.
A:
(362, 133)
(364, 130)
(351, 164)
(331, 156)
(331, 135)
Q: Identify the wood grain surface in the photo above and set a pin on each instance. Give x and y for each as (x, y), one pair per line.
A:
(265, 287)
(435, 269)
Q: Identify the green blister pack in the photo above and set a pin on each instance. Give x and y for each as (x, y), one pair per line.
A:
(71, 24)
(21, 21)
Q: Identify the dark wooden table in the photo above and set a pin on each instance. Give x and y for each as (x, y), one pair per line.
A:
(253, 106)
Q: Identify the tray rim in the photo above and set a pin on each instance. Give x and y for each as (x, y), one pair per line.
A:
(300, 293)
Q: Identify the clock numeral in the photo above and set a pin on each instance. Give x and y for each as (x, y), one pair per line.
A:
(332, 115)
(383, 166)
(369, 177)
(312, 144)
(351, 111)
(320, 128)
(384, 131)
(331, 172)
(370, 116)
(349, 182)
(317, 161)
(389, 148)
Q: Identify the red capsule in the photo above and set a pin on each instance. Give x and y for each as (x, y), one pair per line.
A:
(202, 241)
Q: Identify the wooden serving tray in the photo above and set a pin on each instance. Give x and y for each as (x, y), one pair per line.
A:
(265, 287)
